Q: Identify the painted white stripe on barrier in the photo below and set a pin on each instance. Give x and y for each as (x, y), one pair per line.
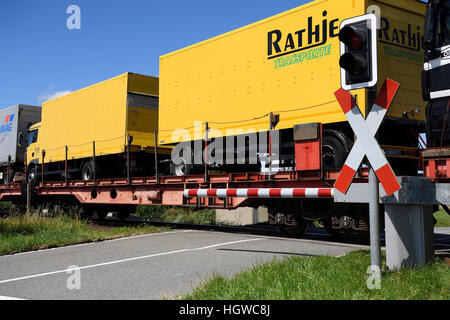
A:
(312, 193)
(287, 193)
(202, 193)
(264, 193)
(222, 193)
(243, 193)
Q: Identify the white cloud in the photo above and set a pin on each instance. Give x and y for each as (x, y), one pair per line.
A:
(54, 95)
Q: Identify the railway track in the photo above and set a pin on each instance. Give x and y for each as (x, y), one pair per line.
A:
(442, 241)
(312, 233)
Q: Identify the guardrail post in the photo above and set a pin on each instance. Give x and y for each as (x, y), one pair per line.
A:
(156, 157)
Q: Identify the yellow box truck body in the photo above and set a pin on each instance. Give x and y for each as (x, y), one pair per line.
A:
(105, 113)
(289, 65)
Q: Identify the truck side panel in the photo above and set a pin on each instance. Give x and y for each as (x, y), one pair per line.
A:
(285, 64)
(96, 113)
(8, 134)
(401, 54)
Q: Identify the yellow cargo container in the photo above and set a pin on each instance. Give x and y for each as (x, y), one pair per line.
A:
(105, 113)
(288, 64)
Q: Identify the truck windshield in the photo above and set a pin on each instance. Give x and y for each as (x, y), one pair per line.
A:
(32, 137)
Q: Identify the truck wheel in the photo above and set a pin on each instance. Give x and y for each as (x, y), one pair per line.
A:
(333, 153)
(183, 169)
(87, 171)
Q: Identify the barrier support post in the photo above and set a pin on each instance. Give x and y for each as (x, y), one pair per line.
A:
(374, 200)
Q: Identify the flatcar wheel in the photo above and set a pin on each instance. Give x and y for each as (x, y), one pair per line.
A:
(328, 225)
(98, 212)
(123, 214)
(296, 230)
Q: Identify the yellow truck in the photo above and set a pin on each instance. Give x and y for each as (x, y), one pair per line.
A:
(288, 65)
(102, 120)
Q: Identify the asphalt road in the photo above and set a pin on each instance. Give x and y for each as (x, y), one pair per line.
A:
(146, 267)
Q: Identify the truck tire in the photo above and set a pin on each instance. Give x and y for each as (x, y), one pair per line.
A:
(333, 153)
(87, 171)
(182, 169)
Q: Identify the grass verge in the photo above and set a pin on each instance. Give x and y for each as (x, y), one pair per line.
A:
(443, 219)
(23, 233)
(327, 278)
(177, 214)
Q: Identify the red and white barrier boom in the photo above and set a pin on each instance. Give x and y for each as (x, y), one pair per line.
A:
(261, 193)
(366, 144)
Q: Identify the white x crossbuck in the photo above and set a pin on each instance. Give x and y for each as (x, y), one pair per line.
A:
(366, 144)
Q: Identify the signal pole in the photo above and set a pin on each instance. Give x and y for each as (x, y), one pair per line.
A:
(359, 69)
(374, 199)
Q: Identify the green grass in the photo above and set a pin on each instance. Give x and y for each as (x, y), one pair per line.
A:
(326, 278)
(177, 215)
(443, 219)
(21, 233)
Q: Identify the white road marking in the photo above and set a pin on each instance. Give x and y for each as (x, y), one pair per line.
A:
(128, 260)
(97, 242)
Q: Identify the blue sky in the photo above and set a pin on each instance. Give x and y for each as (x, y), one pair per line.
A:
(40, 56)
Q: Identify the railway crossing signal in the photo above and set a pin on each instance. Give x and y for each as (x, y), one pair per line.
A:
(358, 62)
(366, 144)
